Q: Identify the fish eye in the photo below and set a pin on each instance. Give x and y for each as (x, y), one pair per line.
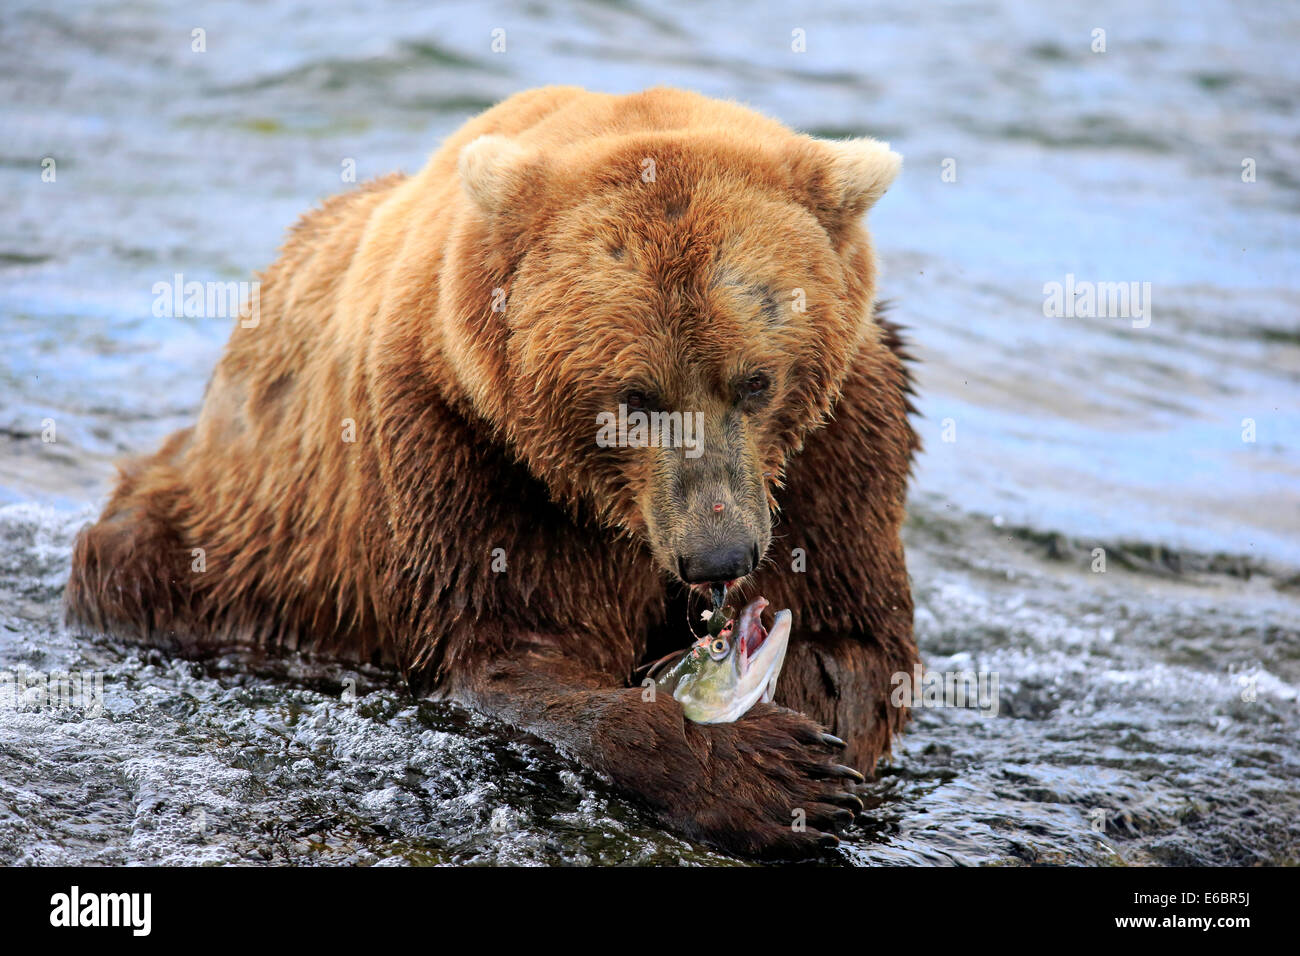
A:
(718, 648)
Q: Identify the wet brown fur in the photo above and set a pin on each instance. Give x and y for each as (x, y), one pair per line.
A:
(474, 431)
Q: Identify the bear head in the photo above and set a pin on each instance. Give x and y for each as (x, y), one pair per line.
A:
(657, 319)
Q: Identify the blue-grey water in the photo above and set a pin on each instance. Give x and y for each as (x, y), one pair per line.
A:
(1145, 714)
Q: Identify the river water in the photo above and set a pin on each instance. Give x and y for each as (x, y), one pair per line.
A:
(1144, 714)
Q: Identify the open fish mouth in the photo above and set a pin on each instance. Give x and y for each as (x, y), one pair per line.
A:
(760, 653)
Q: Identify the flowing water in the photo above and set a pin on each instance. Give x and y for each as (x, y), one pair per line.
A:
(1144, 714)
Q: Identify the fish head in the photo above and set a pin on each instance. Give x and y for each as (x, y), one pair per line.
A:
(721, 677)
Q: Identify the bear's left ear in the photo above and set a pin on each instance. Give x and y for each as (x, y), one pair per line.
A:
(492, 169)
(842, 179)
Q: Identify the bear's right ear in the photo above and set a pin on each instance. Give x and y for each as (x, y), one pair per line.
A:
(491, 168)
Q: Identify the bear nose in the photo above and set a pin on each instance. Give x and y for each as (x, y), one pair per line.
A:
(725, 563)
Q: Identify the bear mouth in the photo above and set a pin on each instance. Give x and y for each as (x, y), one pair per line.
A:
(717, 591)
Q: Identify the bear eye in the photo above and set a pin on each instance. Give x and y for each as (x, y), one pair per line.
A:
(754, 386)
(639, 400)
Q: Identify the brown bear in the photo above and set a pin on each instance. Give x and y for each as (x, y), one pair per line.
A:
(397, 458)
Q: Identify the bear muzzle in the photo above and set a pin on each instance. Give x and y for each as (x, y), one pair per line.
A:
(719, 565)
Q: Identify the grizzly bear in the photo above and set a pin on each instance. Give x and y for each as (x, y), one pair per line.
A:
(396, 459)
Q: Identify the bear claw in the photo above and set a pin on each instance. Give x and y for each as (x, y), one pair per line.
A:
(848, 800)
(848, 773)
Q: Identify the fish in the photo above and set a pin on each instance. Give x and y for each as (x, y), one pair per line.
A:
(720, 677)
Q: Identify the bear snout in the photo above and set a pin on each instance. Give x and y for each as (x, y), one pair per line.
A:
(708, 518)
(719, 565)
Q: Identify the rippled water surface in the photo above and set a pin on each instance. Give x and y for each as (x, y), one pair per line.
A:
(1147, 714)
